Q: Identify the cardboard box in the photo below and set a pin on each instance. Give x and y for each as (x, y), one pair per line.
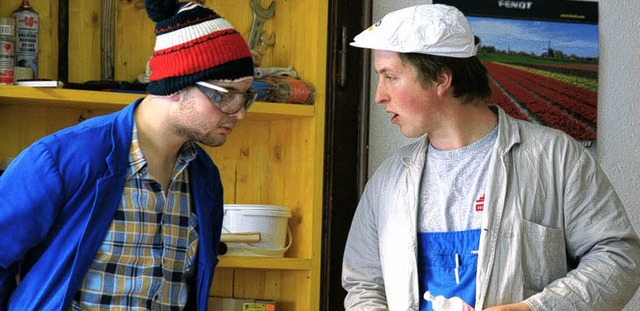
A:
(227, 304)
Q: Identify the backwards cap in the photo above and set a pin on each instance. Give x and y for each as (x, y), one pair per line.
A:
(193, 43)
(434, 29)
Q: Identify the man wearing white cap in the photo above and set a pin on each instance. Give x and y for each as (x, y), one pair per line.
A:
(503, 213)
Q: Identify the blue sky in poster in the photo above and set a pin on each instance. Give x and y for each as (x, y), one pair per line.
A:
(533, 36)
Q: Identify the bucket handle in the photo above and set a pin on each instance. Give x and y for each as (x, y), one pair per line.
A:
(269, 252)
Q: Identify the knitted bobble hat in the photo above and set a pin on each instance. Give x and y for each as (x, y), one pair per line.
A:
(193, 43)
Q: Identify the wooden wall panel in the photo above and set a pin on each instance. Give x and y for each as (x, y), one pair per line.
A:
(84, 40)
(134, 38)
(243, 164)
(20, 126)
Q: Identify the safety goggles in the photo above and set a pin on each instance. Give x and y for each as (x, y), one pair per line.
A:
(228, 101)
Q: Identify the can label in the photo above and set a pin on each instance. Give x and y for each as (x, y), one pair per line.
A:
(27, 23)
(7, 50)
(6, 27)
(6, 60)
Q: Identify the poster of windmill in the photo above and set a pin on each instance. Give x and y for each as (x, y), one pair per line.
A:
(542, 58)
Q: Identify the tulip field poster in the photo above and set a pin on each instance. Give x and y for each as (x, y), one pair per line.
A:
(542, 58)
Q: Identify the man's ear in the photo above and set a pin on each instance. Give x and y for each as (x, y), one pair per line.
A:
(444, 82)
(177, 96)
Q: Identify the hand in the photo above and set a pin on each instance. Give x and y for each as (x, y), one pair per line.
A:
(521, 306)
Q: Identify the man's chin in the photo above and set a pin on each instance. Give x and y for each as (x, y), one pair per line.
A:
(411, 135)
(218, 141)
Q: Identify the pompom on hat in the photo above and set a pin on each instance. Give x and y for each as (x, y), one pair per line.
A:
(193, 43)
(434, 29)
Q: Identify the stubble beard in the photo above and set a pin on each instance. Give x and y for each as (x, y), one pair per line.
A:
(211, 140)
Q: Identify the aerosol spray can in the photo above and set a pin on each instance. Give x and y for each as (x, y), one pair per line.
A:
(27, 24)
(7, 50)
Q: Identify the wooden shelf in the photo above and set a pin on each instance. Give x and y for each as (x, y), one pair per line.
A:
(81, 99)
(267, 263)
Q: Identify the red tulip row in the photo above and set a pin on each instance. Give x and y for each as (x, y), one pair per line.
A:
(569, 90)
(545, 110)
(579, 108)
(500, 98)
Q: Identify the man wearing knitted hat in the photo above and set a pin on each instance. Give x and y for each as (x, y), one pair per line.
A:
(501, 213)
(124, 211)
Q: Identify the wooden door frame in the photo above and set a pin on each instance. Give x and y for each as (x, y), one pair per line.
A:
(346, 139)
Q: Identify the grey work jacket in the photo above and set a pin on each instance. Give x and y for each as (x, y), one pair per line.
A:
(554, 232)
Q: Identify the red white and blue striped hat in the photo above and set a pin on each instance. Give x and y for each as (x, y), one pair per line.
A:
(193, 43)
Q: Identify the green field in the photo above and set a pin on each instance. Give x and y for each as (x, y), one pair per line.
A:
(517, 58)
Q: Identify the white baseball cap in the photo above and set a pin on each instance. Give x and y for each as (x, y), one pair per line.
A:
(434, 29)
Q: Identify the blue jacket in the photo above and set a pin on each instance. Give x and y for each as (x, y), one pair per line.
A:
(58, 198)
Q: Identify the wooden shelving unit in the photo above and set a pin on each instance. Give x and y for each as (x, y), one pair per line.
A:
(274, 156)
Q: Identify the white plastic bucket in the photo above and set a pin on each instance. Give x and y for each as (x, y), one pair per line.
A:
(270, 220)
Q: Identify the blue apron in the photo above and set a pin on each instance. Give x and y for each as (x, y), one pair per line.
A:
(447, 264)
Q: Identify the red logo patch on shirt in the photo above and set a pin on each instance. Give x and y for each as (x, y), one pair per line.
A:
(480, 204)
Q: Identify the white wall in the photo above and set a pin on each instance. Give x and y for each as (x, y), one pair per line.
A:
(618, 103)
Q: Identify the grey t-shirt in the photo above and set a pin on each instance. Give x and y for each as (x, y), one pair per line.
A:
(453, 183)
